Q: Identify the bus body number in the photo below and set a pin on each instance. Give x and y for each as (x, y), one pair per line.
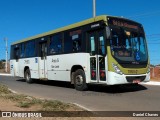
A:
(26, 61)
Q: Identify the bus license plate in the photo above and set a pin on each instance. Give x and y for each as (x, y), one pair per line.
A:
(137, 81)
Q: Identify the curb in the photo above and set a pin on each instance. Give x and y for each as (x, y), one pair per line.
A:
(82, 107)
(151, 83)
(12, 91)
(2, 74)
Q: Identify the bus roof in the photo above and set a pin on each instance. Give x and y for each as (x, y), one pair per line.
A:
(88, 21)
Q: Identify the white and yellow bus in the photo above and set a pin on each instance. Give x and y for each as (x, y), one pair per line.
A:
(102, 50)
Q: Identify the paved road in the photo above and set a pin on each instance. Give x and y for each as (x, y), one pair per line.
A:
(128, 98)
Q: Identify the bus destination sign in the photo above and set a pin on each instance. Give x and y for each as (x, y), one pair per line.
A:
(122, 23)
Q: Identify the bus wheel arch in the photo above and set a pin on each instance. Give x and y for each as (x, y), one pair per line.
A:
(73, 70)
(27, 75)
(78, 78)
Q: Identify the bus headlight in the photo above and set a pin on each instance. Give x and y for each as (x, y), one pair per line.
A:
(117, 70)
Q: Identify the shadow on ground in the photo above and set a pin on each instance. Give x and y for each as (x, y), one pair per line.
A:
(96, 88)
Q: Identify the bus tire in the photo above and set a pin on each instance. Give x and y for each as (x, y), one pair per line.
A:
(28, 76)
(80, 80)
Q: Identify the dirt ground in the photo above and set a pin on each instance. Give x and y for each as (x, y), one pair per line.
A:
(7, 105)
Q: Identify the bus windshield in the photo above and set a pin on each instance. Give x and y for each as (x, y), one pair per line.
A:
(128, 45)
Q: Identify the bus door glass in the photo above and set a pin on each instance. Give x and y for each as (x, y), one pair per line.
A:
(16, 63)
(97, 50)
(16, 54)
(43, 60)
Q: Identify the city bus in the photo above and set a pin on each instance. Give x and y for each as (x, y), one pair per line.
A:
(103, 50)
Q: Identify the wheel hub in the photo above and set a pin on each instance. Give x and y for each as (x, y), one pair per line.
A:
(27, 76)
(79, 80)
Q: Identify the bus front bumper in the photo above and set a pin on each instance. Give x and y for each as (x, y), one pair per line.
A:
(117, 79)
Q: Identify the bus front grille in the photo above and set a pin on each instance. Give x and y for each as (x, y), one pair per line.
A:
(132, 79)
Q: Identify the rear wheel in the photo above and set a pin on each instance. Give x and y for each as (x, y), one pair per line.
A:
(28, 76)
(80, 80)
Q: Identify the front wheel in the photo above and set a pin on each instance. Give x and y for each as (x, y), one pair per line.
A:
(80, 80)
(28, 76)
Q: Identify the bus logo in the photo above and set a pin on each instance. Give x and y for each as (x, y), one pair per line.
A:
(137, 56)
(6, 114)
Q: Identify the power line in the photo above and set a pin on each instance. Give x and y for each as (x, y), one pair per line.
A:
(145, 14)
(153, 43)
(154, 35)
(155, 60)
(151, 40)
(154, 39)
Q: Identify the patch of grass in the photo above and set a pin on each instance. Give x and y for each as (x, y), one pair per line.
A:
(54, 105)
(36, 101)
(4, 89)
(46, 105)
(26, 101)
(24, 104)
(15, 97)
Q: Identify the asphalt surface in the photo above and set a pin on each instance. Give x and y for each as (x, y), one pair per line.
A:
(97, 98)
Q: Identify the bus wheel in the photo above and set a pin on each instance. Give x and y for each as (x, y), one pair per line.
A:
(28, 76)
(80, 80)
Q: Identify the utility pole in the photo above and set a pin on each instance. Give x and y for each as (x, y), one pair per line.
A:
(6, 65)
(94, 8)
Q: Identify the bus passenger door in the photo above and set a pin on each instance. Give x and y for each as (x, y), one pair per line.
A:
(98, 59)
(16, 63)
(43, 61)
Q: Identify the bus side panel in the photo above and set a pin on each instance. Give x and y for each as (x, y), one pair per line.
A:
(32, 63)
(59, 66)
(34, 68)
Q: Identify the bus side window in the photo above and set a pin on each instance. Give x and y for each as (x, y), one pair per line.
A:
(55, 46)
(73, 41)
(76, 45)
(76, 37)
(92, 45)
(101, 45)
(30, 49)
(22, 54)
